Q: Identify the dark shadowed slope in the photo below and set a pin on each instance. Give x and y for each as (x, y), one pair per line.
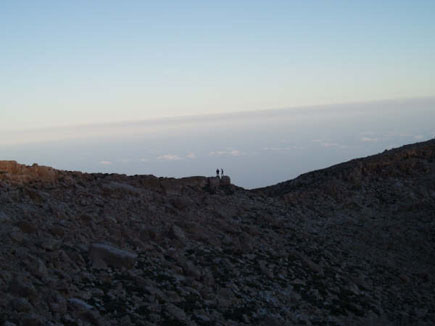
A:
(380, 209)
(408, 162)
(349, 245)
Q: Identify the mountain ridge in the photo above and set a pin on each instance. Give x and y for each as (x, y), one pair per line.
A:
(350, 244)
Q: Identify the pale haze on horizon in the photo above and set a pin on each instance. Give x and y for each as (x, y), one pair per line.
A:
(256, 148)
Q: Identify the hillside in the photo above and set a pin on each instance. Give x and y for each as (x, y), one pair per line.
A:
(353, 244)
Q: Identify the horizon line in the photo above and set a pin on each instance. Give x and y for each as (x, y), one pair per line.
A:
(207, 116)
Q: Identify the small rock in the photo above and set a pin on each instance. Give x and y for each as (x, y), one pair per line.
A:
(17, 236)
(27, 227)
(404, 278)
(174, 312)
(21, 305)
(4, 218)
(38, 268)
(178, 233)
(85, 311)
(50, 244)
(57, 231)
(202, 318)
(8, 323)
(22, 288)
(32, 320)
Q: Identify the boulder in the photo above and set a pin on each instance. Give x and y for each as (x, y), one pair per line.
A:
(194, 182)
(44, 173)
(213, 183)
(79, 304)
(225, 180)
(182, 203)
(102, 255)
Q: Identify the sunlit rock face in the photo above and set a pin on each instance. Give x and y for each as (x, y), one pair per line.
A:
(20, 173)
(348, 245)
(9, 167)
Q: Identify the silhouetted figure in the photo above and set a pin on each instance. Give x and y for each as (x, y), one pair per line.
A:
(217, 173)
(222, 172)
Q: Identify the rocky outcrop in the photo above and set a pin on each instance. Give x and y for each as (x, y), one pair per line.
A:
(11, 167)
(225, 180)
(348, 245)
(19, 173)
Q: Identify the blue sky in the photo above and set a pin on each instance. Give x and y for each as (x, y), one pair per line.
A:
(72, 62)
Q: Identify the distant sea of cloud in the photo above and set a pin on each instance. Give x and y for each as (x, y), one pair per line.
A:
(256, 148)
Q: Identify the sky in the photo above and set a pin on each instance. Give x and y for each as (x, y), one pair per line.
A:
(66, 63)
(266, 90)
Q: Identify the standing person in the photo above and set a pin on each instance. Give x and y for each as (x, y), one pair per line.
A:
(222, 172)
(217, 173)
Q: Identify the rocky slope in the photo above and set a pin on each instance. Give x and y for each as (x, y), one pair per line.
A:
(353, 244)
